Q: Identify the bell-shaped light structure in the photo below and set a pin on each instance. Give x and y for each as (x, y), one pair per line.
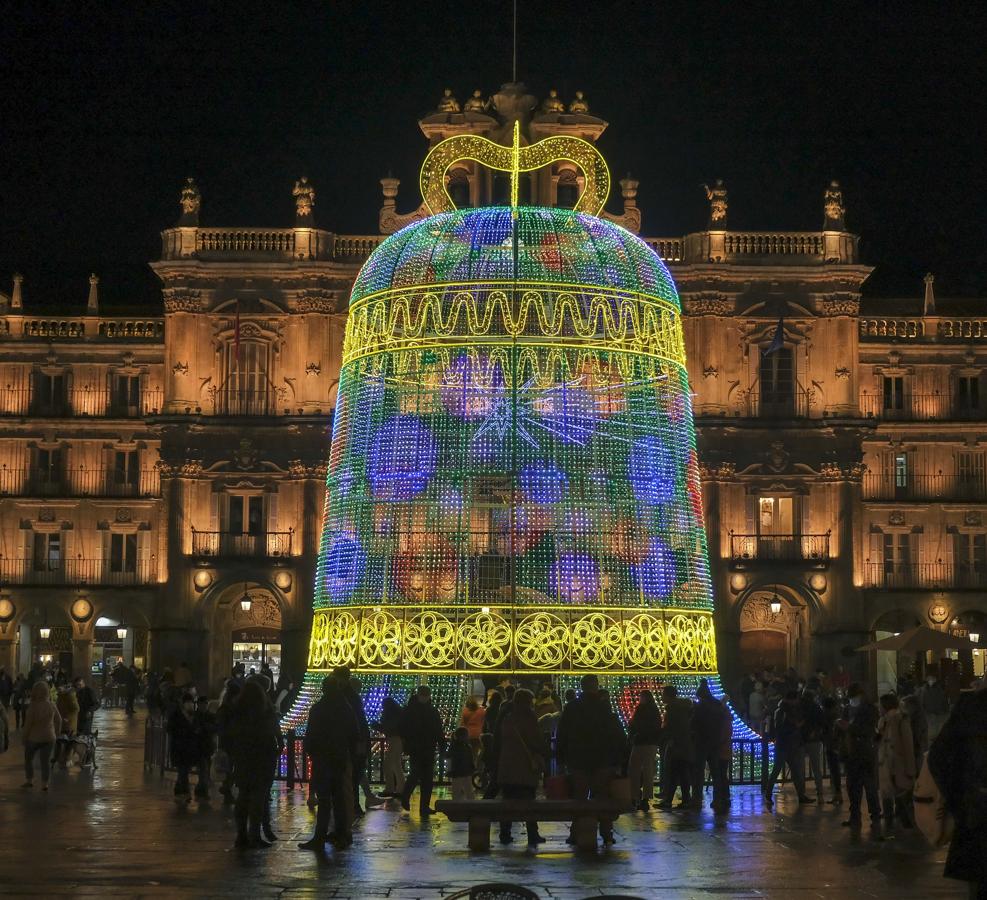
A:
(513, 487)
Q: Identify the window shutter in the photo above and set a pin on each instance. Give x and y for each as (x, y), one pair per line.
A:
(215, 500)
(272, 512)
(750, 509)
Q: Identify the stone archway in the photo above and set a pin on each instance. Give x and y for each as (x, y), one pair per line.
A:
(229, 624)
(770, 638)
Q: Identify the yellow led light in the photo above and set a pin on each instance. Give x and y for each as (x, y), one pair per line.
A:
(514, 159)
(534, 313)
(525, 639)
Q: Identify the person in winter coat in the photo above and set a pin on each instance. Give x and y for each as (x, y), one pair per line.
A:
(935, 704)
(330, 740)
(588, 740)
(521, 762)
(18, 700)
(461, 766)
(88, 704)
(787, 731)
(488, 752)
(224, 724)
(678, 751)
(756, 707)
(423, 737)
(185, 732)
(896, 770)
(644, 729)
(390, 727)
(67, 705)
(920, 726)
(42, 724)
(813, 737)
(707, 733)
(6, 688)
(859, 754)
(958, 762)
(361, 751)
(472, 720)
(256, 741)
(831, 746)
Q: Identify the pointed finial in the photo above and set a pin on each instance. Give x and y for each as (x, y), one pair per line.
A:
(190, 201)
(17, 298)
(929, 303)
(92, 306)
(717, 196)
(304, 194)
(833, 209)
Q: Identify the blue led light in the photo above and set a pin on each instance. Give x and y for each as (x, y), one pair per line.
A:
(544, 483)
(651, 470)
(401, 458)
(344, 565)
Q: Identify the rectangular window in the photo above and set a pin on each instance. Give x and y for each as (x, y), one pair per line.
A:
(123, 552)
(247, 388)
(777, 381)
(894, 393)
(901, 471)
(48, 466)
(971, 552)
(126, 395)
(49, 396)
(246, 514)
(126, 468)
(897, 553)
(968, 393)
(47, 551)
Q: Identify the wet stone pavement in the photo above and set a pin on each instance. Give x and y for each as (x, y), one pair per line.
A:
(118, 833)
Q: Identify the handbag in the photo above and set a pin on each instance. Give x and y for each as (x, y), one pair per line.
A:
(931, 816)
(557, 787)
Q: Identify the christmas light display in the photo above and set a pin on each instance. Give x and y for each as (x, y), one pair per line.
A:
(513, 486)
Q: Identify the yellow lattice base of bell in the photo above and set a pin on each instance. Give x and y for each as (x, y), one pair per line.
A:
(514, 640)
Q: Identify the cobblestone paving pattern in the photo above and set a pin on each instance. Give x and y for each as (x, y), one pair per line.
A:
(119, 833)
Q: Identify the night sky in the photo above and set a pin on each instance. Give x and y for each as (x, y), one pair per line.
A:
(106, 107)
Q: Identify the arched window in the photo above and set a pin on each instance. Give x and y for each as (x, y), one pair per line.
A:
(246, 387)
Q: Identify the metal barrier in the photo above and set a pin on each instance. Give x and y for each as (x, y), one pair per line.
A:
(750, 762)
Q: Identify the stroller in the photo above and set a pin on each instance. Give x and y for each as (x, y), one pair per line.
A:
(79, 748)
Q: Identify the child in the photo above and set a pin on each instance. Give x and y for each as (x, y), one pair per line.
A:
(460, 756)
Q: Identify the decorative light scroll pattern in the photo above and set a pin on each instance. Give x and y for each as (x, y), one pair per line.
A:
(559, 639)
(559, 148)
(533, 314)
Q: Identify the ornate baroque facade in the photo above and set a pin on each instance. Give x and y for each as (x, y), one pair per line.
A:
(163, 475)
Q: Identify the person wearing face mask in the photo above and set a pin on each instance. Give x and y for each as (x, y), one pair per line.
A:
(934, 704)
(859, 741)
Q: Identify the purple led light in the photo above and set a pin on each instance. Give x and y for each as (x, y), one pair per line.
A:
(345, 563)
(544, 483)
(401, 458)
(655, 574)
(575, 577)
(651, 471)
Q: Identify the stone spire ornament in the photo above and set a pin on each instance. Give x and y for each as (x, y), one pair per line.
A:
(17, 297)
(717, 196)
(929, 301)
(833, 209)
(92, 304)
(190, 202)
(304, 194)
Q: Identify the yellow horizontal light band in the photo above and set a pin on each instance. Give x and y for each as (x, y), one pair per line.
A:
(519, 639)
(501, 158)
(416, 319)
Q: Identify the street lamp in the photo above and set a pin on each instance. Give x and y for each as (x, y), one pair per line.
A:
(245, 601)
(975, 637)
(775, 605)
(121, 631)
(44, 632)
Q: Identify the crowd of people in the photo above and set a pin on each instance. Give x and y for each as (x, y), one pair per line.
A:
(51, 710)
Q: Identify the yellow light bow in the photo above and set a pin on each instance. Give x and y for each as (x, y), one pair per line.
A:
(515, 159)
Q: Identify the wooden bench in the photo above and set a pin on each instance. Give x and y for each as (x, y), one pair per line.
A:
(585, 816)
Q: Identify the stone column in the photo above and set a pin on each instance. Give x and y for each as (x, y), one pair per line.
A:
(82, 657)
(8, 654)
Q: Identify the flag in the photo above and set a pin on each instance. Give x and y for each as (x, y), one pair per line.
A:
(236, 338)
(778, 341)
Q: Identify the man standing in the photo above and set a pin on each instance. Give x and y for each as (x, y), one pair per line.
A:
(588, 745)
(421, 731)
(329, 742)
(859, 732)
(361, 753)
(6, 688)
(707, 730)
(88, 704)
(787, 732)
(813, 735)
(935, 705)
(678, 751)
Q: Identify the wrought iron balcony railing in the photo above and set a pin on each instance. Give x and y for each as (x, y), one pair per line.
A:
(779, 547)
(78, 402)
(77, 571)
(80, 482)
(878, 486)
(919, 408)
(777, 404)
(928, 576)
(230, 543)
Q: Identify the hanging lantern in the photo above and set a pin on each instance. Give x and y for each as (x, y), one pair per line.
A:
(775, 605)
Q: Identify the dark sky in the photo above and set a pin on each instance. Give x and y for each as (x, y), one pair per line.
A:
(106, 107)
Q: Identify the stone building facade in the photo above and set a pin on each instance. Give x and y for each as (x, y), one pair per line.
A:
(161, 477)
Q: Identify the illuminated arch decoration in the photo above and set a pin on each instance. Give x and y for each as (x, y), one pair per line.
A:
(513, 486)
(514, 159)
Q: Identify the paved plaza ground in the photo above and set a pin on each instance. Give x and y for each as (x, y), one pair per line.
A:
(119, 833)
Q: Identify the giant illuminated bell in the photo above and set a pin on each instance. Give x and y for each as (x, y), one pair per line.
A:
(513, 484)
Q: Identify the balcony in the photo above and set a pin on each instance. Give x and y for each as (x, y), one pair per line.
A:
(78, 403)
(938, 487)
(236, 544)
(893, 576)
(259, 402)
(749, 548)
(918, 408)
(79, 483)
(77, 572)
(776, 405)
